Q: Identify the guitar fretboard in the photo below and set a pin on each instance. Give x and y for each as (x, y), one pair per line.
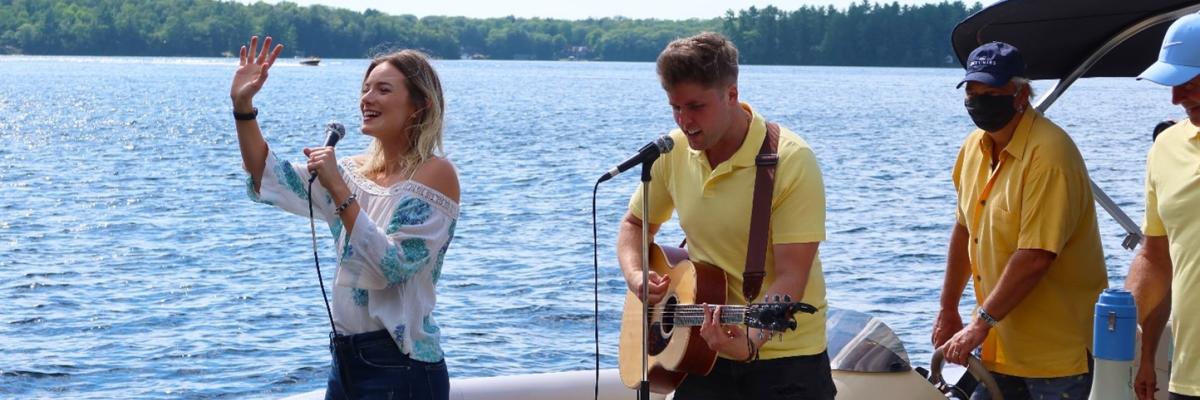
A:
(693, 314)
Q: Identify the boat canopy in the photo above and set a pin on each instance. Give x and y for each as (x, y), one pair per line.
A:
(1056, 36)
(1071, 39)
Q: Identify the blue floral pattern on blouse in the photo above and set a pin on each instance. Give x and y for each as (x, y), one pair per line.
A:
(290, 179)
(441, 257)
(398, 336)
(411, 211)
(254, 195)
(347, 250)
(360, 297)
(388, 255)
(335, 228)
(397, 267)
(428, 348)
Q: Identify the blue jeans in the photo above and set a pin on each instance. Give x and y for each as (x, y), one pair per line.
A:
(370, 366)
(1018, 388)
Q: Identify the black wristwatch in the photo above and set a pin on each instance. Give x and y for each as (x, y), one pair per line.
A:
(250, 116)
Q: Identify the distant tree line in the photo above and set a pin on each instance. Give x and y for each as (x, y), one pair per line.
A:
(862, 34)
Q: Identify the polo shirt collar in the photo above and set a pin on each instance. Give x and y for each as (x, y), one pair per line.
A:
(1017, 146)
(1192, 128)
(746, 155)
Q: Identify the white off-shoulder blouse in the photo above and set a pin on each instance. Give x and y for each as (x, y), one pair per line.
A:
(388, 268)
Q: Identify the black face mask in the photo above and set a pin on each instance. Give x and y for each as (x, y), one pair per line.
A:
(990, 112)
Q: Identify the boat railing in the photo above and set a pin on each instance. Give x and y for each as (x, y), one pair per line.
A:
(1133, 235)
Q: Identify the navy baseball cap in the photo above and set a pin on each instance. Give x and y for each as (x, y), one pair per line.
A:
(994, 64)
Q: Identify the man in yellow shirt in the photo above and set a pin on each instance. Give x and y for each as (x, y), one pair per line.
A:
(1026, 236)
(709, 183)
(1165, 274)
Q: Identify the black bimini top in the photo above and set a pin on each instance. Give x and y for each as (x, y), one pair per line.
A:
(1056, 36)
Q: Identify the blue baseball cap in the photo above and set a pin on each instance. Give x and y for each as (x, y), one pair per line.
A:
(1179, 58)
(994, 64)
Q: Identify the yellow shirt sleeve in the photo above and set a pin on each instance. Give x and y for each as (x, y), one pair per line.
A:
(955, 176)
(798, 212)
(661, 205)
(1152, 224)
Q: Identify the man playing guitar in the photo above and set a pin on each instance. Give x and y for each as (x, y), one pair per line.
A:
(711, 184)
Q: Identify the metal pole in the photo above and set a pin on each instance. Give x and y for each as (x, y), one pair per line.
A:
(644, 387)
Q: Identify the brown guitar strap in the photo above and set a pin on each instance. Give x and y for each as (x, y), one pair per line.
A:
(760, 214)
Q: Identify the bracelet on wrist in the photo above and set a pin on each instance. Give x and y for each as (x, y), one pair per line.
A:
(345, 204)
(753, 356)
(250, 116)
(987, 318)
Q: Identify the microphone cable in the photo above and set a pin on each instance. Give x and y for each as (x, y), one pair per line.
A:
(596, 285)
(317, 260)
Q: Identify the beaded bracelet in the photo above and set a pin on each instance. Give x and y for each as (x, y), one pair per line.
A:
(345, 204)
(753, 351)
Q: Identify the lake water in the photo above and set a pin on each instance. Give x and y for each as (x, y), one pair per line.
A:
(132, 263)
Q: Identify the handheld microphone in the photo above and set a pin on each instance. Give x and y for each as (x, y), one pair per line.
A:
(333, 133)
(648, 153)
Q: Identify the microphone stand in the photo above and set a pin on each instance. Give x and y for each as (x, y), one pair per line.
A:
(644, 387)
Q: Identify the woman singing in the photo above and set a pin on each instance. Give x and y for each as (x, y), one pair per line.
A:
(392, 212)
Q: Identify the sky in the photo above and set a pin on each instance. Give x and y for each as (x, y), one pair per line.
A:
(572, 10)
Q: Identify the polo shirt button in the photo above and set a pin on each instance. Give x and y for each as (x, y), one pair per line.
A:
(976, 240)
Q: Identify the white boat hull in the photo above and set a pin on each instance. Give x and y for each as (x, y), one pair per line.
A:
(573, 385)
(867, 359)
(580, 385)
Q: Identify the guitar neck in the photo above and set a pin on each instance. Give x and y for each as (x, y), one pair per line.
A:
(693, 314)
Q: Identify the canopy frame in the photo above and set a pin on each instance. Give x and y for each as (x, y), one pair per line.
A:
(1133, 234)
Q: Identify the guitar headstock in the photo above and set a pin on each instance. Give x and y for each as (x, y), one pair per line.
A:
(777, 315)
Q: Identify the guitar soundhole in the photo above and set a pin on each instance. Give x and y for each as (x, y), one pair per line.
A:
(658, 342)
(669, 315)
(661, 327)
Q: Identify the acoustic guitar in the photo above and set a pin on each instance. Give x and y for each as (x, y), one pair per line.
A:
(676, 348)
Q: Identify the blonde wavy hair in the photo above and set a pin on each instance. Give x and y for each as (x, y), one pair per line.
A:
(425, 132)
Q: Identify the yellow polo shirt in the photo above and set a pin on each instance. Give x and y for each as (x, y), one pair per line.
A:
(714, 212)
(1041, 198)
(1173, 209)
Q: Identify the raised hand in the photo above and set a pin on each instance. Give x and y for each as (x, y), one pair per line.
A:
(253, 65)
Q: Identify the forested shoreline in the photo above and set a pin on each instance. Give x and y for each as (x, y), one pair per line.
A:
(870, 34)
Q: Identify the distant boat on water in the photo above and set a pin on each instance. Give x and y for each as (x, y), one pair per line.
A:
(311, 61)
